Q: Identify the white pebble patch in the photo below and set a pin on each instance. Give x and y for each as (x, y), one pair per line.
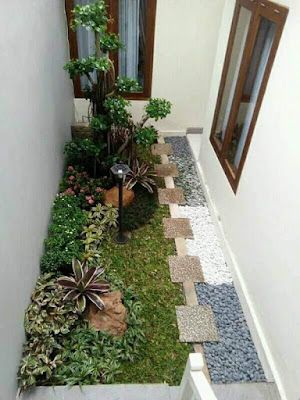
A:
(206, 245)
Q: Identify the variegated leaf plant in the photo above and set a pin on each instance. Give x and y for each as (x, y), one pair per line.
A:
(86, 284)
(142, 175)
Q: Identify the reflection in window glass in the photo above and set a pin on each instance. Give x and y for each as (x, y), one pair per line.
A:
(255, 74)
(233, 71)
(132, 30)
(85, 42)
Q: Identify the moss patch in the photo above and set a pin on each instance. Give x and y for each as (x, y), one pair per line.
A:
(143, 264)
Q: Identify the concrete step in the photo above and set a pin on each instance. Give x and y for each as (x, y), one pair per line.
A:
(246, 391)
(235, 391)
(101, 392)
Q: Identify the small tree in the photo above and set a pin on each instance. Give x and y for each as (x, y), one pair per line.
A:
(98, 67)
(104, 90)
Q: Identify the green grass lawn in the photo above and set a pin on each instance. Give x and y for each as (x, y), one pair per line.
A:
(143, 264)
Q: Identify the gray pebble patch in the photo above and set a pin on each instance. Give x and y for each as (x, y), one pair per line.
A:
(188, 179)
(233, 358)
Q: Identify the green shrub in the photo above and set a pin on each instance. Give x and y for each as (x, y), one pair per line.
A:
(47, 319)
(63, 244)
(87, 65)
(100, 221)
(99, 123)
(83, 153)
(61, 349)
(89, 191)
(110, 42)
(146, 136)
(158, 108)
(117, 110)
(127, 85)
(141, 210)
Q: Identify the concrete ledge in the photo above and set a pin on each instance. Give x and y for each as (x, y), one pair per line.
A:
(97, 392)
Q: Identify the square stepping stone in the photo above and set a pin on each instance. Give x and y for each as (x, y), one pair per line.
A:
(185, 268)
(164, 170)
(171, 196)
(196, 324)
(159, 149)
(177, 228)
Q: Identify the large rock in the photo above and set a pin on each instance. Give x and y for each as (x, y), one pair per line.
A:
(113, 318)
(111, 196)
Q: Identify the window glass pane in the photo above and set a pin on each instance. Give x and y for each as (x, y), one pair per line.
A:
(132, 30)
(255, 74)
(233, 71)
(85, 42)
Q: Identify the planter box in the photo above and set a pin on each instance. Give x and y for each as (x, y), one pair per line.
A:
(81, 130)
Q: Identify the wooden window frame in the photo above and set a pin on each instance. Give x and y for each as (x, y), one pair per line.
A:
(260, 9)
(113, 6)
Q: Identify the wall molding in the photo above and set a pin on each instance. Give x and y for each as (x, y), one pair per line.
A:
(194, 131)
(171, 133)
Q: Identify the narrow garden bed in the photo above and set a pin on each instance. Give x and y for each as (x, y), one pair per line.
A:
(62, 349)
(102, 312)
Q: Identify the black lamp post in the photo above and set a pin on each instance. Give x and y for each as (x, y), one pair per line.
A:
(120, 171)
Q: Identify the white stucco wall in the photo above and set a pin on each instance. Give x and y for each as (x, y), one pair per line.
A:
(185, 41)
(261, 222)
(36, 108)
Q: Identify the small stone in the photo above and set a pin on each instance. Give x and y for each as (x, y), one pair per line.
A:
(113, 318)
(111, 196)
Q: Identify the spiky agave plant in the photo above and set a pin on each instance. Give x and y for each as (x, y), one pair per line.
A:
(142, 175)
(86, 284)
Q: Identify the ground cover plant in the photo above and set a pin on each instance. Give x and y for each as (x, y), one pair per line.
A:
(143, 263)
(62, 244)
(85, 275)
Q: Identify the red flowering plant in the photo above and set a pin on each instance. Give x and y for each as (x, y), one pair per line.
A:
(78, 183)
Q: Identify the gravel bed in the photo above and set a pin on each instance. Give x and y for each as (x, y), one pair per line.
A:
(188, 178)
(233, 358)
(206, 245)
